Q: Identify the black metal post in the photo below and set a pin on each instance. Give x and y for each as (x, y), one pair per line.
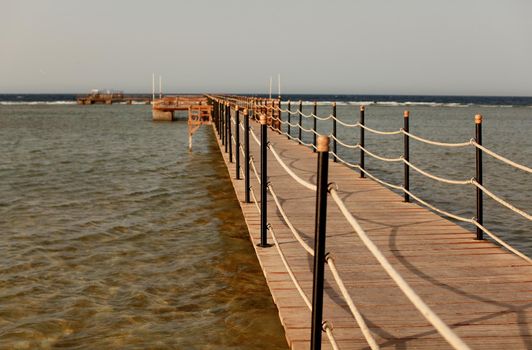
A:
(263, 181)
(280, 115)
(222, 117)
(246, 157)
(227, 126)
(230, 133)
(237, 143)
(288, 119)
(478, 177)
(406, 156)
(334, 131)
(314, 122)
(362, 140)
(300, 120)
(319, 242)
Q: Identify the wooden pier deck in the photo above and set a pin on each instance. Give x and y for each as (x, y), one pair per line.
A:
(483, 292)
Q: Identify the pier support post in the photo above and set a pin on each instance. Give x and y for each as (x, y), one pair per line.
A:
(222, 122)
(227, 121)
(406, 155)
(334, 132)
(237, 142)
(230, 132)
(478, 175)
(314, 122)
(319, 242)
(300, 120)
(263, 181)
(288, 119)
(361, 121)
(215, 116)
(246, 157)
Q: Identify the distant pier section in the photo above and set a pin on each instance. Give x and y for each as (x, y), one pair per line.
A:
(109, 97)
(163, 108)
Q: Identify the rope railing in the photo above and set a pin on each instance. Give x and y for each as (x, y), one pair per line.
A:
(435, 143)
(440, 211)
(501, 158)
(421, 306)
(289, 171)
(289, 223)
(442, 328)
(354, 310)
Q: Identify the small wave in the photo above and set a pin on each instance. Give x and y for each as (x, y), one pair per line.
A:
(396, 104)
(31, 103)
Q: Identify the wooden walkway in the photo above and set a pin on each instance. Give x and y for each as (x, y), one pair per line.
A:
(481, 291)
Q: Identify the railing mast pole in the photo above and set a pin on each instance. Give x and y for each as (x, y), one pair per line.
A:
(314, 122)
(406, 155)
(227, 122)
(237, 142)
(289, 117)
(319, 242)
(280, 114)
(334, 131)
(478, 177)
(229, 132)
(263, 181)
(222, 117)
(246, 158)
(362, 140)
(300, 120)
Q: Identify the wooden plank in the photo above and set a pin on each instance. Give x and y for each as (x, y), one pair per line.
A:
(481, 290)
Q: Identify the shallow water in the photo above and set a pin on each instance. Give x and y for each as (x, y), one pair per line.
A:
(113, 235)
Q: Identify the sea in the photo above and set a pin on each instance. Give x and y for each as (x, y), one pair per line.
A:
(114, 236)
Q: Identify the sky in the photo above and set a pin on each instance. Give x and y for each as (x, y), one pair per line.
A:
(452, 47)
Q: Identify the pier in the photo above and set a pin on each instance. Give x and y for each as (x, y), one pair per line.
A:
(352, 264)
(109, 98)
(164, 108)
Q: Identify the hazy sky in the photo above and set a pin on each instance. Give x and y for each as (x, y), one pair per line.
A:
(477, 47)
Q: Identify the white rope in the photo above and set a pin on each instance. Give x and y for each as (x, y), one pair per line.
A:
(328, 331)
(305, 115)
(290, 172)
(379, 132)
(501, 201)
(356, 166)
(254, 198)
(254, 169)
(290, 226)
(436, 143)
(321, 118)
(474, 222)
(501, 242)
(501, 158)
(347, 124)
(288, 269)
(434, 177)
(443, 212)
(289, 112)
(356, 314)
(423, 308)
(293, 138)
(345, 144)
(254, 136)
(384, 159)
